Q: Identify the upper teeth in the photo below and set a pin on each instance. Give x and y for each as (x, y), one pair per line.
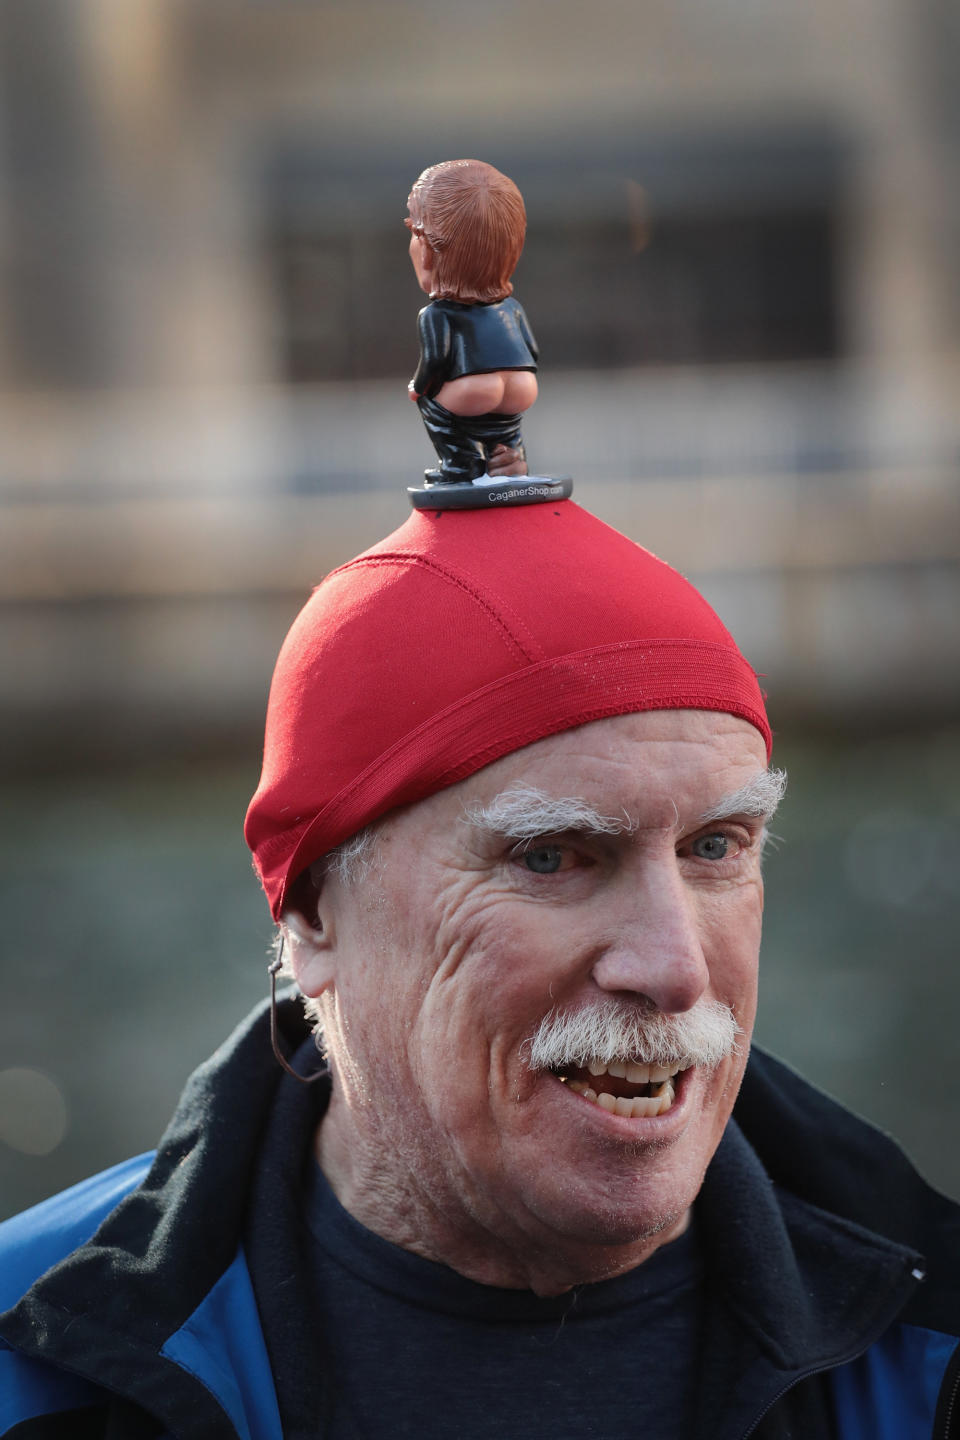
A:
(636, 1074)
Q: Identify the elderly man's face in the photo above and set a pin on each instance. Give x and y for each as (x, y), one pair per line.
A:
(441, 965)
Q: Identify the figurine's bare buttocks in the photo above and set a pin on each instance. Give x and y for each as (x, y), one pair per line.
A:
(478, 357)
(498, 391)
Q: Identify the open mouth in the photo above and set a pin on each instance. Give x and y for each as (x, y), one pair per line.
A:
(624, 1088)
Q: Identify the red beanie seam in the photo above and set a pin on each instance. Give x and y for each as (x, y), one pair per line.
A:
(508, 620)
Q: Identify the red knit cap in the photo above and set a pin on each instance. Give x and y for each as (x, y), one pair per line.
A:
(460, 638)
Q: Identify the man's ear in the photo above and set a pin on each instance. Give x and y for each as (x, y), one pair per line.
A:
(309, 936)
(428, 257)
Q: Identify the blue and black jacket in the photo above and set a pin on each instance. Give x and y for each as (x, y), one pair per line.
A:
(134, 1303)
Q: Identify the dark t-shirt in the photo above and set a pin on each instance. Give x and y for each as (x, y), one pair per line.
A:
(410, 1348)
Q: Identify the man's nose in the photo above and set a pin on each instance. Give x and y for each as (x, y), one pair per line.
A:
(652, 945)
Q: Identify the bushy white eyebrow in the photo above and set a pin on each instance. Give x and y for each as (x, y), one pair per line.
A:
(523, 813)
(759, 797)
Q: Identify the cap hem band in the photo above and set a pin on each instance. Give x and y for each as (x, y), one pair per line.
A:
(503, 716)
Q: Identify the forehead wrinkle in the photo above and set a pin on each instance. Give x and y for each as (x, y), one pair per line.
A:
(759, 797)
(523, 812)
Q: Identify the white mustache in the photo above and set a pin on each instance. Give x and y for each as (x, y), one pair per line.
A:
(607, 1030)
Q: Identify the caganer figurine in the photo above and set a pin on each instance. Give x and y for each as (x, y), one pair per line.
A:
(478, 358)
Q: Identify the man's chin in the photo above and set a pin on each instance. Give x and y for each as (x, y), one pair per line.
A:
(601, 1218)
(639, 1231)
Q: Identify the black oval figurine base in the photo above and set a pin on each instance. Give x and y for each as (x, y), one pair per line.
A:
(491, 493)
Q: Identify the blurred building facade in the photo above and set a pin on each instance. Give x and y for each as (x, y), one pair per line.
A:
(743, 265)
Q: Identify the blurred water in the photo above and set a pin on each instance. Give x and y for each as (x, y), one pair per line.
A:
(135, 936)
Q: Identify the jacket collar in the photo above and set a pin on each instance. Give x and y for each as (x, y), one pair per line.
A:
(811, 1288)
(816, 1151)
(151, 1270)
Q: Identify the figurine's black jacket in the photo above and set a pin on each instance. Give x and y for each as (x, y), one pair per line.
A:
(460, 340)
(815, 1228)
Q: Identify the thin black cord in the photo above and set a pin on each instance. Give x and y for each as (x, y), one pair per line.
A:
(273, 969)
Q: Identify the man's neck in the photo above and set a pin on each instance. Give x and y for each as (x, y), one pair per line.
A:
(417, 1211)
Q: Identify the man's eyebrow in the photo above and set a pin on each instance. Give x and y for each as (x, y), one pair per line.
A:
(759, 797)
(522, 813)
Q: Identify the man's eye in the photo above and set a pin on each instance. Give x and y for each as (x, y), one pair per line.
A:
(711, 847)
(543, 859)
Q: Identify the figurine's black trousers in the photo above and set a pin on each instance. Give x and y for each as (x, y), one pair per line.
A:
(465, 442)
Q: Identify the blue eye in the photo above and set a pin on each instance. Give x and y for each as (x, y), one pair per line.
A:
(711, 847)
(543, 859)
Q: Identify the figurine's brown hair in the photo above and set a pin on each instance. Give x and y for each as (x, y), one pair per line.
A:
(473, 219)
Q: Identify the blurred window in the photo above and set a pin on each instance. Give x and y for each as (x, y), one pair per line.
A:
(701, 289)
